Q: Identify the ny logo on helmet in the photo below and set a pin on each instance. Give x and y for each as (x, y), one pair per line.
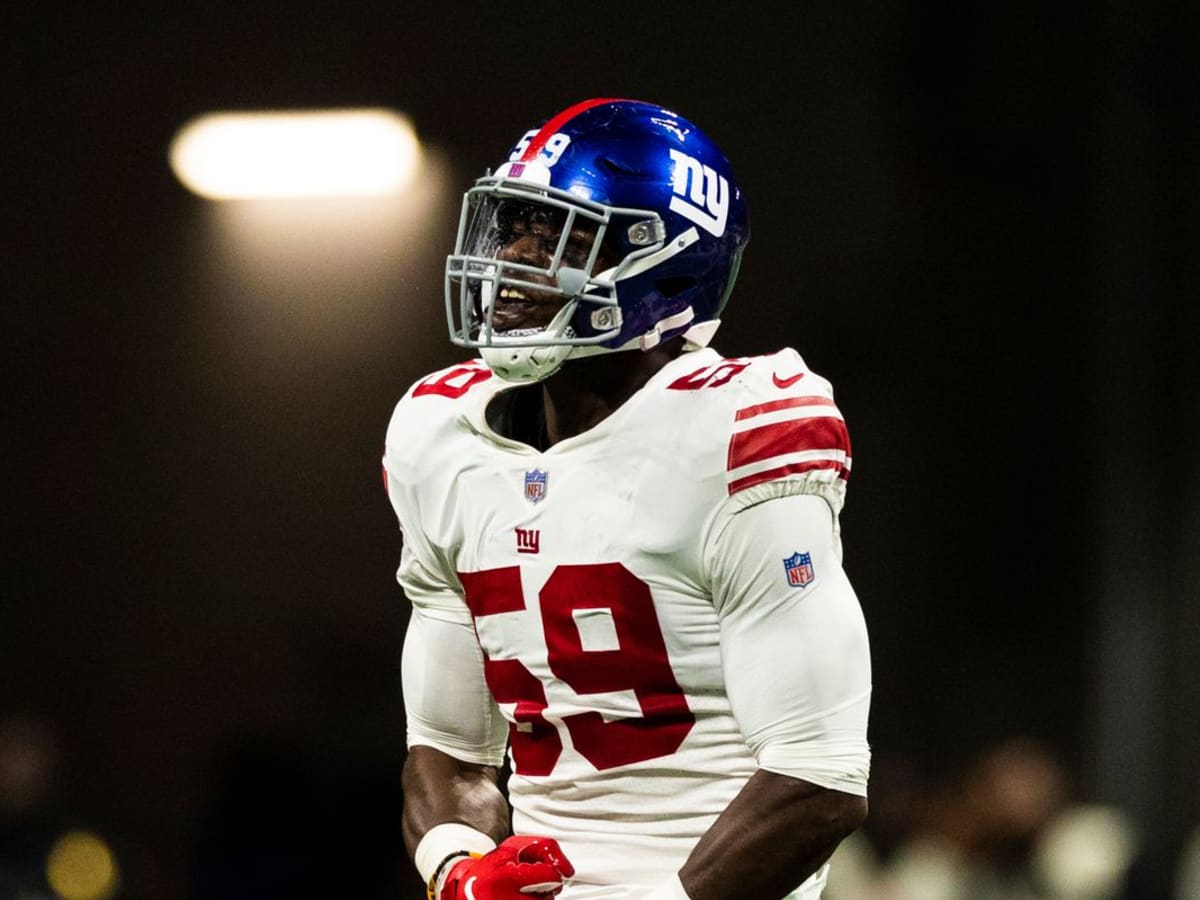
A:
(701, 195)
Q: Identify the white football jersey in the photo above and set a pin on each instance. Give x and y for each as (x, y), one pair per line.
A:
(586, 572)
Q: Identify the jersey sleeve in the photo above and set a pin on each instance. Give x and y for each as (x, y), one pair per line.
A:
(794, 641)
(787, 436)
(446, 699)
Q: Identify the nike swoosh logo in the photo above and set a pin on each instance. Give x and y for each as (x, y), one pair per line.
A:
(785, 382)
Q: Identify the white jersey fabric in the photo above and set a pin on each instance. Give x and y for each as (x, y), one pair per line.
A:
(645, 613)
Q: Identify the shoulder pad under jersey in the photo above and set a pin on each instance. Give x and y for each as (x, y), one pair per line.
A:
(785, 426)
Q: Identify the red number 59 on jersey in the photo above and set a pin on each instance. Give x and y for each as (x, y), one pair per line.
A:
(638, 664)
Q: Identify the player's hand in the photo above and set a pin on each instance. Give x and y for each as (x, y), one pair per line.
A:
(521, 868)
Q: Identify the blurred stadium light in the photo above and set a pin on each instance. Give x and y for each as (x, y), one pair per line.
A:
(328, 153)
(82, 867)
(325, 218)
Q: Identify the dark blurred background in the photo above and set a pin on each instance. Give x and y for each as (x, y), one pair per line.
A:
(976, 220)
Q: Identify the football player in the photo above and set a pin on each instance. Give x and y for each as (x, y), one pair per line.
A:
(621, 548)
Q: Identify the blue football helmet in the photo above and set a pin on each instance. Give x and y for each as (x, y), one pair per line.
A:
(640, 228)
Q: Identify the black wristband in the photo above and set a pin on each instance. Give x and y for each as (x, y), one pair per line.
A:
(431, 889)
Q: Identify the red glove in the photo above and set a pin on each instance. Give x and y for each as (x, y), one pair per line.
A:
(521, 868)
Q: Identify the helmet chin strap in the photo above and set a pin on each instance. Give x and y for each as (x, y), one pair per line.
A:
(695, 337)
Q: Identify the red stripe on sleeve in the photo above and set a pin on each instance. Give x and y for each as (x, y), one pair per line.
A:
(785, 403)
(551, 128)
(792, 436)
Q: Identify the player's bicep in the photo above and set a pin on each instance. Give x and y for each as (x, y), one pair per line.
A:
(446, 697)
(794, 643)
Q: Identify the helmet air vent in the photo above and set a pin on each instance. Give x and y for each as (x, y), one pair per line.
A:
(616, 167)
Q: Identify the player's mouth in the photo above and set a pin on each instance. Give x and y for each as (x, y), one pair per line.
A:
(521, 309)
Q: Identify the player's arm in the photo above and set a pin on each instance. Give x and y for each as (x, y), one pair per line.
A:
(777, 832)
(455, 735)
(453, 808)
(455, 818)
(797, 669)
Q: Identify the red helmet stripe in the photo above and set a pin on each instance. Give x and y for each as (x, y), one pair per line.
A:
(552, 126)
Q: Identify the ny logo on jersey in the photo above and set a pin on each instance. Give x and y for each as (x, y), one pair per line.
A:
(535, 485)
(799, 569)
(529, 540)
(701, 195)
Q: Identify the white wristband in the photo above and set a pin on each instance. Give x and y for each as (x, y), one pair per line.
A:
(442, 840)
(669, 890)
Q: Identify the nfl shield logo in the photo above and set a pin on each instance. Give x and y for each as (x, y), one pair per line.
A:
(799, 569)
(535, 486)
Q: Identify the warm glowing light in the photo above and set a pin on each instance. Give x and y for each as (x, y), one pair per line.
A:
(296, 154)
(82, 867)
